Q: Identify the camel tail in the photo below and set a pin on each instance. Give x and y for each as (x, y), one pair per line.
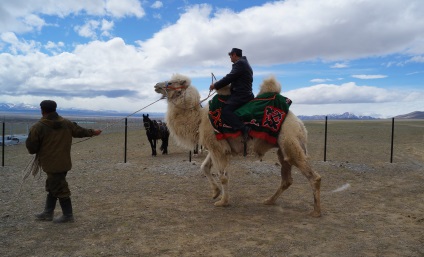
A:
(270, 85)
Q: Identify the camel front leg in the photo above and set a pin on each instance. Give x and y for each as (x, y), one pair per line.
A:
(206, 168)
(220, 162)
(286, 179)
(223, 177)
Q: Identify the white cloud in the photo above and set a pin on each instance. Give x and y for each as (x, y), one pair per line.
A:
(88, 29)
(53, 47)
(112, 73)
(106, 27)
(369, 76)
(93, 28)
(418, 59)
(9, 37)
(108, 72)
(122, 8)
(319, 80)
(348, 93)
(23, 15)
(292, 31)
(16, 46)
(34, 21)
(339, 65)
(157, 5)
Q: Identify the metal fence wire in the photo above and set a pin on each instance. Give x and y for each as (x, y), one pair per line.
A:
(358, 141)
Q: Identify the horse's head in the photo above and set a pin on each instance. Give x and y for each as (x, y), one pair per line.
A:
(146, 121)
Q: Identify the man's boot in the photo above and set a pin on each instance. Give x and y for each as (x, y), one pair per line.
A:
(67, 215)
(47, 214)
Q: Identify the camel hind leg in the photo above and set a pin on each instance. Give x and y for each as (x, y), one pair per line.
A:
(286, 179)
(315, 181)
(206, 168)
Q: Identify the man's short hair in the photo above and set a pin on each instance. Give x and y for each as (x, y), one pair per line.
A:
(48, 106)
(237, 51)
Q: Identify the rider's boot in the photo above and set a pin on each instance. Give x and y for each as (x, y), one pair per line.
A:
(245, 130)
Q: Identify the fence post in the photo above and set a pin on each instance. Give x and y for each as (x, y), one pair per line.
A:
(391, 146)
(125, 150)
(325, 140)
(2, 146)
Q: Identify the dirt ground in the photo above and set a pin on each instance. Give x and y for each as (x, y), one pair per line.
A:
(162, 206)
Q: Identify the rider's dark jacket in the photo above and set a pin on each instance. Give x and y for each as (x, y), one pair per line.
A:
(241, 78)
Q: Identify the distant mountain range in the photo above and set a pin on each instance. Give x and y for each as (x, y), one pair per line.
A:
(344, 116)
(412, 115)
(24, 109)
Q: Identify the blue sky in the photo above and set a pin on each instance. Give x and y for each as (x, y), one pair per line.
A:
(331, 56)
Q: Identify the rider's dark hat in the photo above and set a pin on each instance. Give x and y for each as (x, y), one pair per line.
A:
(237, 51)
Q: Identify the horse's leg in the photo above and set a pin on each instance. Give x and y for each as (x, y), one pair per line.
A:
(151, 144)
(161, 147)
(164, 146)
(154, 147)
(286, 179)
(315, 181)
(206, 168)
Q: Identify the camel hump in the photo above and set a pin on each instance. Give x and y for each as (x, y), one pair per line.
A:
(270, 85)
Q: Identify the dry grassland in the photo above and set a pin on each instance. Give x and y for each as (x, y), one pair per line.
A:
(162, 206)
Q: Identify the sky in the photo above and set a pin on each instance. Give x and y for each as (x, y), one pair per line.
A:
(330, 56)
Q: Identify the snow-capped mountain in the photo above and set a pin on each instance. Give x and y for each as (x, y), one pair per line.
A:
(344, 116)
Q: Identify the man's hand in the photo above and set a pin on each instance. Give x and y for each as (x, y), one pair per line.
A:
(96, 132)
(212, 87)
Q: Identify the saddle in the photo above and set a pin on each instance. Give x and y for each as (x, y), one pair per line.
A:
(264, 115)
(160, 129)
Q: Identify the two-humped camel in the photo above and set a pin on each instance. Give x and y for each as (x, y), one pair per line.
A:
(189, 125)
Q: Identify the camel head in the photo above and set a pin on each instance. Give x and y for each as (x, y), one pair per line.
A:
(178, 90)
(174, 87)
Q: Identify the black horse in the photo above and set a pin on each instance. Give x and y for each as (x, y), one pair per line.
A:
(154, 132)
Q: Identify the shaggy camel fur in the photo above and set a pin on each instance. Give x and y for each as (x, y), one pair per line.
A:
(189, 124)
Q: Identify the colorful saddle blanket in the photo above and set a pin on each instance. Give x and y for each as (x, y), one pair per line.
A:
(264, 115)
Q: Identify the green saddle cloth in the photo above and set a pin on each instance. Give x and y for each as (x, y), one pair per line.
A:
(264, 115)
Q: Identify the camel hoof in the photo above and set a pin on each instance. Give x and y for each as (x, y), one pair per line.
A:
(221, 204)
(315, 214)
(216, 193)
(269, 202)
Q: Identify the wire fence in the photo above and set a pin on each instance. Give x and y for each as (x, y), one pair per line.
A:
(15, 131)
(359, 141)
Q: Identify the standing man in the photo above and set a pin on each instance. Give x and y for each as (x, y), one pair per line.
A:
(51, 139)
(241, 78)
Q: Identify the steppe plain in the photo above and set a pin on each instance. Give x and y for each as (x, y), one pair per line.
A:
(133, 204)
